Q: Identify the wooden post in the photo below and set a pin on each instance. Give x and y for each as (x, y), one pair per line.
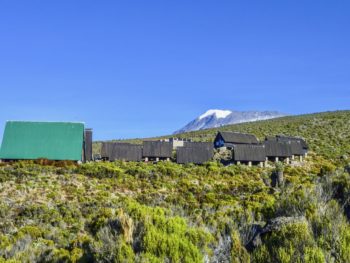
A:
(293, 157)
(301, 158)
(157, 159)
(250, 164)
(261, 164)
(287, 160)
(276, 160)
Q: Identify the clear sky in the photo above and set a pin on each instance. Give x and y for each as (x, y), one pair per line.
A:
(144, 68)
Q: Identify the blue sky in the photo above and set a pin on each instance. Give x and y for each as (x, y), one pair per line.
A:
(145, 68)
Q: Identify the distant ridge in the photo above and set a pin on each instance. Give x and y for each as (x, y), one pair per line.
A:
(215, 118)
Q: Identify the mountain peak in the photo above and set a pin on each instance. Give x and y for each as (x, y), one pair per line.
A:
(227, 117)
(218, 113)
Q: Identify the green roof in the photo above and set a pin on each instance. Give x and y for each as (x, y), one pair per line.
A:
(49, 140)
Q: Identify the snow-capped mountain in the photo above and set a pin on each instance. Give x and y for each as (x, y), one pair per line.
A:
(217, 118)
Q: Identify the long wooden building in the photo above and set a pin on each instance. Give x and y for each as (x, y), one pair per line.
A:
(113, 151)
(296, 140)
(194, 152)
(277, 150)
(299, 147)
(249, 154)
(157, 150)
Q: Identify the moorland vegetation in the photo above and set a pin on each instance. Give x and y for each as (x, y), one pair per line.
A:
(165, 212)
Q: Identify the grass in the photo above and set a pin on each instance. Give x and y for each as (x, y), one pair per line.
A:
(165, 212)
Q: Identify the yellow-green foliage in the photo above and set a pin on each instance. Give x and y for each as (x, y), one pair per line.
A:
(142, 212)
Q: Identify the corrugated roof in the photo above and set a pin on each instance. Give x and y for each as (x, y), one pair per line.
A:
(296, 147)
(278, 149)
(27, 140)
(121, 151)
(249, 153)
(291, 138)
(157, 149)
(296, 144)
(195, 152)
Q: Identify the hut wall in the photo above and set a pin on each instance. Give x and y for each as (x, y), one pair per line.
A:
(121, 151)
(296, 148)
(295, 139)
(278, 149)
(157, 149)
(249, 153)
(197, 153)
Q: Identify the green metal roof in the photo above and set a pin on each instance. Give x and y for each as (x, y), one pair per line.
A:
(50, 140)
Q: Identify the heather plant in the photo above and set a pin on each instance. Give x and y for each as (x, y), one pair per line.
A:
(165, 212)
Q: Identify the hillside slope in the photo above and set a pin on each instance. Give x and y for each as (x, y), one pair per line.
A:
(327, 133)
(143, 212)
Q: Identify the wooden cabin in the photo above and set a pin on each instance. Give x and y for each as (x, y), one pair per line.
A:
(298, 145)
(195, 152)
(301, 141)
(249, 154)
(157, 150)
(297, 149)
(113, 151)
(229, 139)
(278, 150)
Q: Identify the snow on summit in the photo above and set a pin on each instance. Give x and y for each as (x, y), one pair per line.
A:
(226, 117)
(220, 114)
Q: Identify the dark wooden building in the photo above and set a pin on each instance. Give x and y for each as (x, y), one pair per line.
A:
(301, 141)
(195, 152)
(249, 153)
(278, 150)
(157, 150)
(298, 145)
(229, 139)
(113, 151)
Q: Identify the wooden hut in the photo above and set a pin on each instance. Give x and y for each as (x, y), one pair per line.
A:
(298, 145)
(113, 151)
(301, 141)
(278, 150)
(229, 139)
(297, 149)
(195, 152)
(249, 154)
(157, 150)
